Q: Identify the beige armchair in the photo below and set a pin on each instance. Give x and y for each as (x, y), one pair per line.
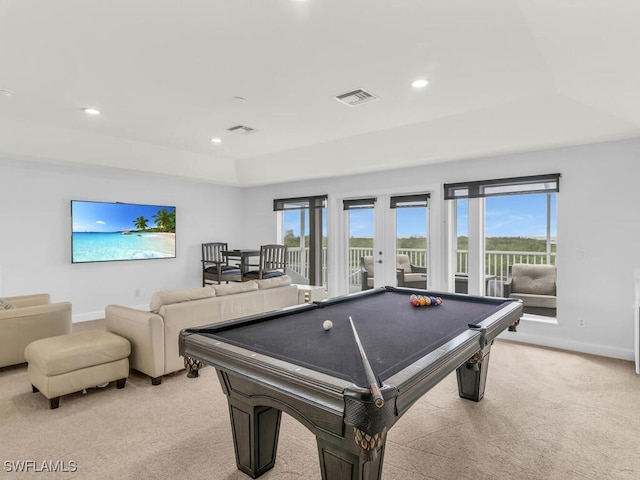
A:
(34, 317)
(535, 285)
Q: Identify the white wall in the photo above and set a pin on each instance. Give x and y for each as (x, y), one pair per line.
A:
(597, 213)
(35, 238)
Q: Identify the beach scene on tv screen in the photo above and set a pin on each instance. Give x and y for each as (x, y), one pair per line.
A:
(122, 231)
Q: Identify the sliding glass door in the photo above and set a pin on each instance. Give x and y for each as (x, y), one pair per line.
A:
(304, 232)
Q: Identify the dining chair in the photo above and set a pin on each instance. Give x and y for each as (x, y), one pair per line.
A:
(273, 263)
(215, 267)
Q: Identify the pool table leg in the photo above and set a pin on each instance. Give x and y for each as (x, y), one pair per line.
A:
(255, 436)
(472, 376)
(342, 460)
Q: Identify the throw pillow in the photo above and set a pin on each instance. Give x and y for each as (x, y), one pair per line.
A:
(233, 288)
(275, 282)
(168, 297)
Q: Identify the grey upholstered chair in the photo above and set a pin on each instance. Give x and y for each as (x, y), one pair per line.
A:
(407, 274)
(535, 285)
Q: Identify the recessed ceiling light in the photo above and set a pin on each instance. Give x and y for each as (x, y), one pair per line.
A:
(91, 111)
(421, 83)
(216, 140)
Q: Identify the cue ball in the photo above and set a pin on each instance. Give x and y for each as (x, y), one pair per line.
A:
(327, 324)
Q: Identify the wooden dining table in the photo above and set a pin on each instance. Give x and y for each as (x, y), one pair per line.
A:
(242, 258)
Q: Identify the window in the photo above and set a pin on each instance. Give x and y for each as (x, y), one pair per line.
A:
(304, 231)
(500, 223)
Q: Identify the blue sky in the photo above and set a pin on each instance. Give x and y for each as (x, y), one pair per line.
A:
(292, 222)
(411, 221)
(512, 216)
(506, 216)
(111, 217)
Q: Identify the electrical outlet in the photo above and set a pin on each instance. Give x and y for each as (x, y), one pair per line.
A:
(581, 322)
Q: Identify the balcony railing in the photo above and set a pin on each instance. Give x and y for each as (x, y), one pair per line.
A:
(298, 261)
(497, 262)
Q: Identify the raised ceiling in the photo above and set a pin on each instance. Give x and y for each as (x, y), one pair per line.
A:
(504, 76)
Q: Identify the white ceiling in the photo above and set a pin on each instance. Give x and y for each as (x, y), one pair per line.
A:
(505, 76)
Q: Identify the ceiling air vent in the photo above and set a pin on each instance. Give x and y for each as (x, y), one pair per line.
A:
(241, 129)
(356, 97)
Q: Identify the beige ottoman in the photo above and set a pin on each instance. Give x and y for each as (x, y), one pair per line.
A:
(70, 363)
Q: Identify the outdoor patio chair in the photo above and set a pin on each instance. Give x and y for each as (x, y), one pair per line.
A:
(535, 285)
(407, 274)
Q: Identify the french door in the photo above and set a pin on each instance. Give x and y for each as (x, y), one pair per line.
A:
(387, 239)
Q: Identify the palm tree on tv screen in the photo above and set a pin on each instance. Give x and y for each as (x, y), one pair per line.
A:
(165, 220)
(141, 223)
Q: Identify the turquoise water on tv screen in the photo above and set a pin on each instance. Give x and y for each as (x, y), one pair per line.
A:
(102, 247)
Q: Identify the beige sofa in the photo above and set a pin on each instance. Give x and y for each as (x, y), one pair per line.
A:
(32, 318)
(154, 334)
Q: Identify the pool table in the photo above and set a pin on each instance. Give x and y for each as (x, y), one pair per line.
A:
(285, 361)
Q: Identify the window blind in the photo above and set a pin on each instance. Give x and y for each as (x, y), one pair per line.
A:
(359, 203)
(299, 203)
(406, 201)
(503, 186)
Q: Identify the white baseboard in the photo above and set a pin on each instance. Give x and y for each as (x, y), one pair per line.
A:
(565, 344)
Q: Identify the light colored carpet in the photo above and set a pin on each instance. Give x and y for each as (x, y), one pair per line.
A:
(546, 414)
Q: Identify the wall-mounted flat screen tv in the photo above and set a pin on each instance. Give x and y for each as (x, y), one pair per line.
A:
(105, 232)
